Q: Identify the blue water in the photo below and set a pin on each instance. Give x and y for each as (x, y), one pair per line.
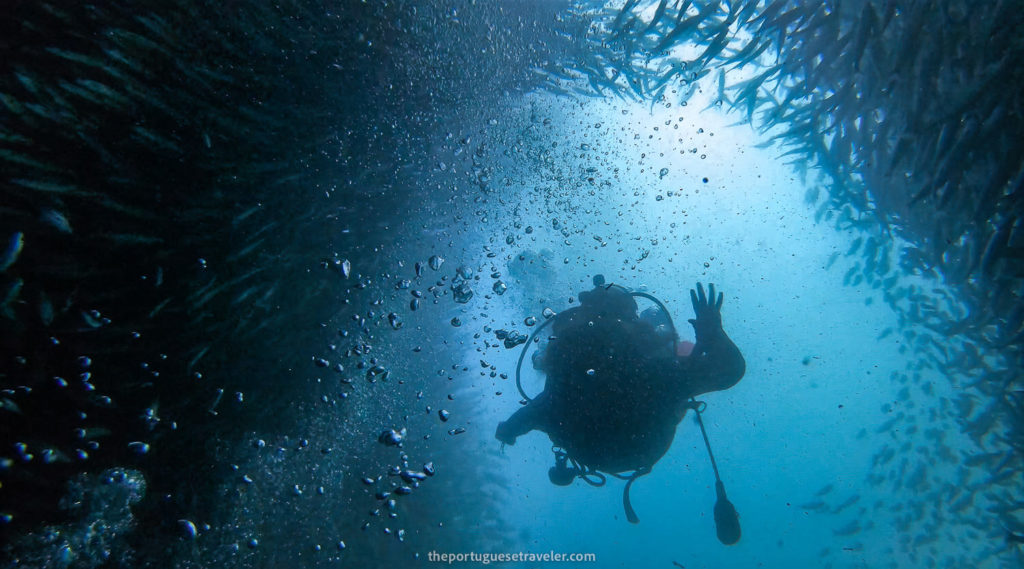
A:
(816, 375)
(302, 312)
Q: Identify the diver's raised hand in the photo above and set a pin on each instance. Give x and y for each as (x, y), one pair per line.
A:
(707, 309)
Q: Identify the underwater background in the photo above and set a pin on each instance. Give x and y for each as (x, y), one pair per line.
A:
(248, 247)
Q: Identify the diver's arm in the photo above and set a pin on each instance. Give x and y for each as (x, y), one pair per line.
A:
(525, 419)
(715, 363)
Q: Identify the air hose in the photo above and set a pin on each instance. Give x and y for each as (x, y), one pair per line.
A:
(519, 366)
(727, 520)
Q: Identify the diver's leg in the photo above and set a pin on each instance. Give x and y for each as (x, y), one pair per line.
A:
(523, 421)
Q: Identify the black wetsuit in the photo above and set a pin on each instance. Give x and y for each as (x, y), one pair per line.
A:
(615, 389)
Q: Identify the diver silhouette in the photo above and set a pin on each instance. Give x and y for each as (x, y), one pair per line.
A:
(618, 383)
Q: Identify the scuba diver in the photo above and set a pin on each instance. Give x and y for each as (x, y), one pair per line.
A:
(618, 383)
